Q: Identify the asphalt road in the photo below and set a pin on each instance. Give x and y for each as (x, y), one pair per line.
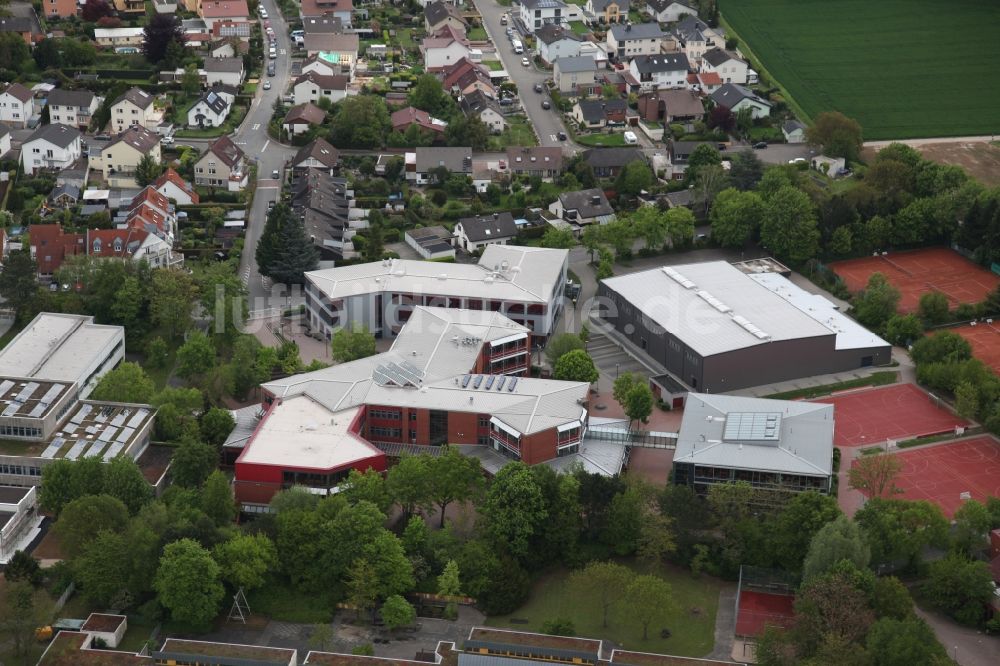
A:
(547, 124)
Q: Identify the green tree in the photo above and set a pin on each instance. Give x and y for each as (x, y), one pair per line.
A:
(217, 499)
(19, 277)
(449, 582)
(22, 613)
(792, 530)
(703, 156)
(13, 51)
(877, 302)
(789, 226)
(196, 357)
(638, 404)
(650, 224)
(900, 530)
(650, 599)
(875, 475)
(362, 583)
(409, 483)
(514, 509)
(188, 583)
(605, 584)
(83, 518)
(124, 481)
(397, 612)
(193, 462)
(558, 626)
(836, 134)
(369, 486)
(736, 216)
(972, 526)
(161, 31)
(126, 383)
(135, 553)
(904, 642)
(960, 587)
(933, 308)
(60, 485)
(171, 296)
(561, 344)
(558, 239)
(746, 170)
(147, 171)
(467, 131)
(453, 478)
(576, 366)
(840, 539)
(942, 347)
(634, 178)
(245, 560)
(903, 330)
(361, 121)
(215, 425)
(428, 95)
(223, 298)
(706, 186)
(966, 400)
(128, 304)
(190, 81)
(350, 344)
(23, 567)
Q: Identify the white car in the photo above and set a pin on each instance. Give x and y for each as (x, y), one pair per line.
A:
(798, 160)
(263, 13)
(630, 138)
(167, 140)
(267, 85)
(525, 62)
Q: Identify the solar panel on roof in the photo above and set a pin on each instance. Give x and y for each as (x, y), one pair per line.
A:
(26, 392)
(5, 386)
(120, 418)
(137, 418)
(513, 383)
(38, 410)
(113, 451)
(125, 435)
(107, 434)
(52, 394)
(95, 449)
(70, 428)
(465, 381)
(500, 381)
(478, 382)
(489, 382)
(74, 452)
(11, 409)
(53, 448)
(81, 414)
(406, 365)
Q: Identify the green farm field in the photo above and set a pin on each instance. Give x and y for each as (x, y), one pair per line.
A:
(901, 68)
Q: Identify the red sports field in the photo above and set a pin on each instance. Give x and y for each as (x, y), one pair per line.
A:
(900, 411)
(942, 473)
(917, 272)
(758, 610)
(985, 341)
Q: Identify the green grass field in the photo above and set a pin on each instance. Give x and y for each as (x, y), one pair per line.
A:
(902, 68)
(692, 625)
(606, 140)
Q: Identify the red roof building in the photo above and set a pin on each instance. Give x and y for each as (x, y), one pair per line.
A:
(172, 186)
(402, 119)
(50, 246)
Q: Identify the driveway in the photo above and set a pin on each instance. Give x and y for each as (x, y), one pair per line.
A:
(547, 124)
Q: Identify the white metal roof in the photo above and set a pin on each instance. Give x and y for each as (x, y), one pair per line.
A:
(530, 276)
(716, 308)
(56, 346)
(803, 445)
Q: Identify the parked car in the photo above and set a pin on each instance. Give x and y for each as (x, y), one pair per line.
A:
(275, 174)
(167, 140)
(720, 146)
(630, 138)
(760, 145)
(270, 69)
(538, 87)
(263, 13)
(798, 160)
(267, 85)
(525, 62)
(503, 20)
(546, 104)
(562, 136)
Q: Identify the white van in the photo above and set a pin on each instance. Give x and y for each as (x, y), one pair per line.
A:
(630, 138)
(518, 46)
(272, 53)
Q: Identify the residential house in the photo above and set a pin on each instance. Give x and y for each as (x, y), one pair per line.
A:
(175, 188)
(609, 162)
(336, 49)
(729, 66)
(474, 233)
(671, 106)
(311, 87)
(4, 139)
(223, 164)
(694, 37)
(422, 163)
(233, 30)
(668, 11)
(317, 63)
(326, 207)
(122, 40)
(465, 77)
(341, 9)
(215, 11)
(439, 14)
(445, 48)
(583, 207)
(597, 113)
(536, 13)
(317, 154)
(486, 109)
(50, 246)
(626, 41)
(119, 159)
(64, 196)
(51, 146)
(736, 98)
(793, 131)
(131, 7)
(228, 71)
(576, 76)
(554, 41)
(301, 117)
(831, 166)
(546, 162)
(210, 110)
(135, 107)
(606, 11)
(59, 8)
(15, 105)
(166, 6)
(680, 152)
(72, 107)
(322, 24)
(705, 83)
(152, 211)
(654, 72)
(20, 18)
(403, 119)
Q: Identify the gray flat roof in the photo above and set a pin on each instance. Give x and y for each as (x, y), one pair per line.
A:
(56, 347)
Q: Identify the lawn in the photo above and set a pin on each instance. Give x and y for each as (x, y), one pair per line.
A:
(879, 62)
(494, 65)
(692, 625)
(579, 27)
(477, 35)
(601, 139)
(881, 378)
(405, 38)
(518, 133)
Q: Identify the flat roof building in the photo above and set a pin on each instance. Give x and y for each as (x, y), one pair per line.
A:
(776, 445)
(718, 329)
(525, 284)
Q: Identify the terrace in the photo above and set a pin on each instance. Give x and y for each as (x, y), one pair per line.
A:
(557, 648)
(182, 650)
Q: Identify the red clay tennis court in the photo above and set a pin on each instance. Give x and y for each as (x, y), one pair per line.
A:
(900, 411)
(943, 472)
(917, 272)
(985, 341)
(758, 610)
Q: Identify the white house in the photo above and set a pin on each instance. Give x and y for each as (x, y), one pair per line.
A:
(72, 107)
(51, 147)
(793, 131)
(135, 107)
(473, 233)
(730, 67)
(655, 72)
(15, 105)
(122, 40)
(736, 98)
(172, 186)
(694, 37)
(554, 42)
(668, 11)
(445, 50)
(211, 110)
(4, 146)
(536, 13)
(477, 104)
(576, 75)
(310, 87)
(228, 71)
(628, 41)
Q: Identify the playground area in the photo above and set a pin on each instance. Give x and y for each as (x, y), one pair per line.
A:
(917, 272)
(764, 598)
(985, 340)
(948, 474)
(896, 412)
